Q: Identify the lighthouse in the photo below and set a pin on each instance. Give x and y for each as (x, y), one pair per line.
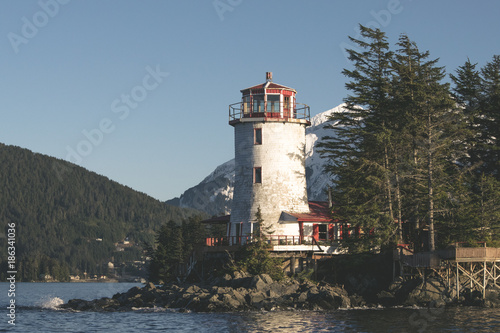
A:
(270, 176)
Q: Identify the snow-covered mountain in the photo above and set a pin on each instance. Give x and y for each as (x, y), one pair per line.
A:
(214, 194)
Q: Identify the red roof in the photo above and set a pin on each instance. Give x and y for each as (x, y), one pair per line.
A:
(269, 85)
(319, 212)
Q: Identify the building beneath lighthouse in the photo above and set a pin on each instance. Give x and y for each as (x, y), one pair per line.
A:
(270, 175)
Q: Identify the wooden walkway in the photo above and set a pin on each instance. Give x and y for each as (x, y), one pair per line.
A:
(461, 268)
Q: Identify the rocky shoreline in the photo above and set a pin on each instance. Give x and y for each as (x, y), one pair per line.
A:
(241, 292)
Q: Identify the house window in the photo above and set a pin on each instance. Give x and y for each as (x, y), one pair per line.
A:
(257, 175)
(257, 135)
(323, 231)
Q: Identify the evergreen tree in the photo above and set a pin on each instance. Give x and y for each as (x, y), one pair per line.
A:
(467, 93)
(254, 257)
(360, 150)
(432, 128)
(490, 120)
(394, 153)
(60, 209)
(168, 253)
(475, 208)
(174, 244)
(193, 234)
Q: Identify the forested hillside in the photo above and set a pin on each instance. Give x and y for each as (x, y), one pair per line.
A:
(68, 219)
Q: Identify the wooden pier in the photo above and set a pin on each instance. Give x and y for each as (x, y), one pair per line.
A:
(460, 268)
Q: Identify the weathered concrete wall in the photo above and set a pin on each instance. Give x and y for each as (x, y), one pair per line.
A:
(282, 159)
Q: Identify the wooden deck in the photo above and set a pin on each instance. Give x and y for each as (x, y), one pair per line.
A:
(471, 254)
(438, 258)
(471, 268)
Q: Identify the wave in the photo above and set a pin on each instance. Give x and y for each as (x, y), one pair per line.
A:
(48, 303)
(52, 303)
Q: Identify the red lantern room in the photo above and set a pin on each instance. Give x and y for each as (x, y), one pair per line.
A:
(270, 101)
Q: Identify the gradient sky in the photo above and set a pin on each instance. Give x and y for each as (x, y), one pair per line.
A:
(141, 88)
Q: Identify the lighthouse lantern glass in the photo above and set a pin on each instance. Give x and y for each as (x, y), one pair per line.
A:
(273, 103)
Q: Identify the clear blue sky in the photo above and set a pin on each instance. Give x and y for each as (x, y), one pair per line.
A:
(74, 67)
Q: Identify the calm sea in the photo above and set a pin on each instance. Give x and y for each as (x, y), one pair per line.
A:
(36, 311)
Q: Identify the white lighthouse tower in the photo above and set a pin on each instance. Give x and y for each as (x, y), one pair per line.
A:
(269, 133)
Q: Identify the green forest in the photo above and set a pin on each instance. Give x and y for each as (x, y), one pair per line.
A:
(415, 159)
(68, 219)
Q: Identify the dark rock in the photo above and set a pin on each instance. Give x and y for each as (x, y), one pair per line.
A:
(255, 297)
(193, 289)
(266, 278)
(432, 290)
(132, 292)
(105, 303)
(492, 298)
(77, 304)
(302, 297)
(150, 286)
(242, 282)
(386, 298)
(258, 283)
(235, 293)
(231, 303)
(226, 280)
(357, 301)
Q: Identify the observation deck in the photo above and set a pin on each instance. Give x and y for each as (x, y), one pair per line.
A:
(269, 111)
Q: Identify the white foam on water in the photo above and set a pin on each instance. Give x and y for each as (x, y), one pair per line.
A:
(52, 303)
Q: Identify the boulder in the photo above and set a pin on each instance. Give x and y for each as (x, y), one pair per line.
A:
(302, 297)
(255, 297)
(426, 292)
(149, 286)
(106, 303)
(258, 283)
(266, 278)
(238, 296)
(386, 298)
(236, 292)
(357, 301)
(242, 282)
(193, 289)
(231, 303)
(492, 298)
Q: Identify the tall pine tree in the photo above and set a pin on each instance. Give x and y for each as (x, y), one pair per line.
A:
(360, 148)
(490, 108)
(432, 125)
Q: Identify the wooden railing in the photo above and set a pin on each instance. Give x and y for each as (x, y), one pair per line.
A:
(472, 253)
(458, 254)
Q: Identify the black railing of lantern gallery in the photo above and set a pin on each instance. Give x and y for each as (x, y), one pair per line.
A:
(269, 109)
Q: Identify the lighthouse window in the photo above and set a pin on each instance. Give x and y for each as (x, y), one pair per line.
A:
(246, 105)
(273, 103)
(258, 104)
(257, 175)
(257, 136)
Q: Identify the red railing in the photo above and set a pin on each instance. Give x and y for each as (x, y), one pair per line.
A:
(270, 239)
(227, 241)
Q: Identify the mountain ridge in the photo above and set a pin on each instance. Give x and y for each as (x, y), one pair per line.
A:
(68, 220)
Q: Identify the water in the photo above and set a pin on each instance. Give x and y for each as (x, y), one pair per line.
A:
(36, 311)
